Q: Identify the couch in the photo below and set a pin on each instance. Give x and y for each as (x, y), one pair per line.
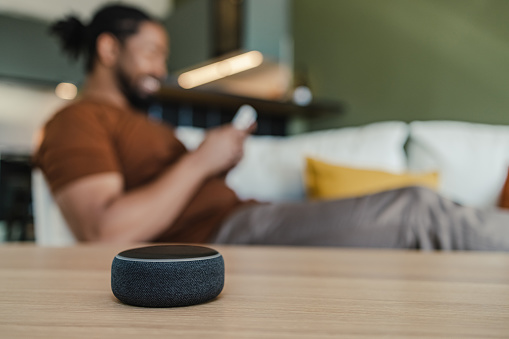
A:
(472, 161)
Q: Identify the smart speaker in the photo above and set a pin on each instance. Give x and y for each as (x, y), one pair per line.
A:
(167, 275)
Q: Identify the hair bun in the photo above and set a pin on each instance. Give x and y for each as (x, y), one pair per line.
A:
(72, 35)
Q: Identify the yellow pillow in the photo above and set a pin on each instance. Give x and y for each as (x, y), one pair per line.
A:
(328, 181)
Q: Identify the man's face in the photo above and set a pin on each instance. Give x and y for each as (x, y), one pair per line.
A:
(142, 64)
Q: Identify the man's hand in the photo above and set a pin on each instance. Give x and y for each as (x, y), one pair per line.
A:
(222, 149)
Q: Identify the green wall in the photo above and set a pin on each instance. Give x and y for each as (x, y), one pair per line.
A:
(406, 59)
(267, 27)
(28, 51)
(190, 34)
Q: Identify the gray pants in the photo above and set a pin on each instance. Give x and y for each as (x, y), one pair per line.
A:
(413, 218)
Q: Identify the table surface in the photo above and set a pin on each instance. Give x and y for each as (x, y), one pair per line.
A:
(270, 292)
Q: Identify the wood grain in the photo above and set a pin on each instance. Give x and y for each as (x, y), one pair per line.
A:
(270, 292)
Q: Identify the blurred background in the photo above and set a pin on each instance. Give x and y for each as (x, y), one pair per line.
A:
(321, 64)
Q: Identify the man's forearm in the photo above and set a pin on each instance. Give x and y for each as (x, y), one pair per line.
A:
(144, 213)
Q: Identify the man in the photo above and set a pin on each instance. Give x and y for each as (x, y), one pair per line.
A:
(119, 177)
(114, 173)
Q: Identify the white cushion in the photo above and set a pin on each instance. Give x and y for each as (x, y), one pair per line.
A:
(272, 168)
(191, 137)
(472, 158)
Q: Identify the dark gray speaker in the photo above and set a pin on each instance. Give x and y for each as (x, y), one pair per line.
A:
(167, 275)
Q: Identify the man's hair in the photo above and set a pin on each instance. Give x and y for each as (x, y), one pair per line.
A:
(77, 39)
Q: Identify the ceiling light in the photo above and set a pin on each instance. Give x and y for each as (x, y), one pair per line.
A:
(66, 91)
(220, 69)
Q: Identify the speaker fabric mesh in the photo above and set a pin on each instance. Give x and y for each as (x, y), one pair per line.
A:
(167, 283)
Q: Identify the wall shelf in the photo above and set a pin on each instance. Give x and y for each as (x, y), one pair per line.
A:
(227, 101)
(206, 109)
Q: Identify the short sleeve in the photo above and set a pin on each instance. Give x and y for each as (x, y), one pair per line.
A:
(78, 142)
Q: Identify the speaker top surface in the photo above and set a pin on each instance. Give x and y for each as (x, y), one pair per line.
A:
(168, 253)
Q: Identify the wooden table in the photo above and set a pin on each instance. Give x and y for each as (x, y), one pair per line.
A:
(270, 292)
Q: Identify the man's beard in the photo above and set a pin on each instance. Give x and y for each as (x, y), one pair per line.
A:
(138, 100)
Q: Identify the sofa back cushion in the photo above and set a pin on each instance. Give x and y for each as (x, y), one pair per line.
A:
(472, 159)
(273, 167)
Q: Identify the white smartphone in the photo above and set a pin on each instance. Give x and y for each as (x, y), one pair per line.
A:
(245, 117)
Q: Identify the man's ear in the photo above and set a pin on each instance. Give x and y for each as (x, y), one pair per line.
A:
(108, 49)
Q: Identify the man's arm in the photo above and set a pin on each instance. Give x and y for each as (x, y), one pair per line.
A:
(97, 208)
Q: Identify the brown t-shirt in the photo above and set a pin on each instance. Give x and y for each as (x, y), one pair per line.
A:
(89, 137)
